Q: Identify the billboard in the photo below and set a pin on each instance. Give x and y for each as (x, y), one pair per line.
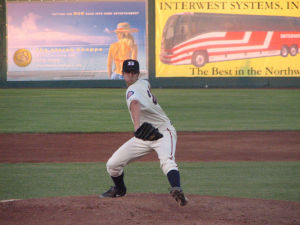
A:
(227, 38)
(75, 40)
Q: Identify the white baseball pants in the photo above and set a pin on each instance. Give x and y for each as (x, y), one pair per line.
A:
(135, 148)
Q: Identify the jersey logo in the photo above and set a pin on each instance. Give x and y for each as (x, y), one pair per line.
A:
(129, 94)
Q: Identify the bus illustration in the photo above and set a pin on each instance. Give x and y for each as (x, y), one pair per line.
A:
(200, 38)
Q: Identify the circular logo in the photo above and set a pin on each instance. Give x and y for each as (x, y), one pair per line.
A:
(22, 57)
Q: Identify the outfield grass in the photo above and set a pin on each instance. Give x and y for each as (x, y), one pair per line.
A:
(103, 110)
(263, 180)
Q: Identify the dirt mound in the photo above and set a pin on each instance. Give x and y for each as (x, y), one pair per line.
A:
(148, 209)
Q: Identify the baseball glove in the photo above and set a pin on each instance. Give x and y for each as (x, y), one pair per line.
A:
(147, 132)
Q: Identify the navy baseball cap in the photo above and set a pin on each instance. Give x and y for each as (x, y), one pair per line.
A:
(131, 65)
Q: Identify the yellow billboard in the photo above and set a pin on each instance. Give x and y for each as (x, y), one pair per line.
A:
(227, 38)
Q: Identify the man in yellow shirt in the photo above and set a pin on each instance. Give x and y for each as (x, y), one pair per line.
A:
(124, 48)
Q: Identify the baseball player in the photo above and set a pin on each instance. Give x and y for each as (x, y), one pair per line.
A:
(153, 131)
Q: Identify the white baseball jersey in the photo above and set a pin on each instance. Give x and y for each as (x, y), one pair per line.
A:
(135, 148)
(151, 111)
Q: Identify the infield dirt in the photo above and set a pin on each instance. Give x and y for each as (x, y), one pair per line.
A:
(150, 208)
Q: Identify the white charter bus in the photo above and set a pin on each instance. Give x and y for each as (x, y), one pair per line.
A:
(200, 38)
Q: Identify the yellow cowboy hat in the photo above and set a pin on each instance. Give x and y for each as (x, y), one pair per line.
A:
(125, 27)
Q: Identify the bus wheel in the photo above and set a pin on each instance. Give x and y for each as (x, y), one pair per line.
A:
(293, 50)
(284, 51)
(199, 58)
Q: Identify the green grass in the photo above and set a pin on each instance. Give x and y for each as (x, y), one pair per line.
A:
(103, 110)
(263, 180)
(62, 110)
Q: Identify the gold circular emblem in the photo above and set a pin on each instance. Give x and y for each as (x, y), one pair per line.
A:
(22, 57)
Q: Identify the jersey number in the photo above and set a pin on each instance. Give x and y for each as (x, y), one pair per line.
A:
(154, 100)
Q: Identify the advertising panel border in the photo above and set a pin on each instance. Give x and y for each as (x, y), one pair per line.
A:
(157, 82)
(227, 39)
(3, 59)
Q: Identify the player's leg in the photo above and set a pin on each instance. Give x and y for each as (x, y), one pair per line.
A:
(131, 150)
(166, 148)
(118, 190)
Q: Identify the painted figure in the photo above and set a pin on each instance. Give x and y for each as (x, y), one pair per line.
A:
(124, 48)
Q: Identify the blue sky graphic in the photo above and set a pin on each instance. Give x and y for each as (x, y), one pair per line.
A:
(90, 25)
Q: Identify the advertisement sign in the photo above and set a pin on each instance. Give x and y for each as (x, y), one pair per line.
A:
(74, 40)
(227, 38)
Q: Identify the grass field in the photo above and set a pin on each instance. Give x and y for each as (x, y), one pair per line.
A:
(103, 110)
(264, 180)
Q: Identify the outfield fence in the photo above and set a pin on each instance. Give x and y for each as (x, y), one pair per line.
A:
(275, 78)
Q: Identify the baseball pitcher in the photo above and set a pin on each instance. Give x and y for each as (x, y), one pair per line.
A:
(153, 131)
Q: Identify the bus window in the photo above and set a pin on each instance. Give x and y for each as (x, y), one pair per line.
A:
(202, 24)
(169, 32)
(182, 31)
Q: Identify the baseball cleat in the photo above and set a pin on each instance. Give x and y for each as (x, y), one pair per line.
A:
(178, 195)
(113, 192)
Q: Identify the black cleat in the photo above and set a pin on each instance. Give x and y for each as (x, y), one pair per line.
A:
(178, 195)
(113, 192)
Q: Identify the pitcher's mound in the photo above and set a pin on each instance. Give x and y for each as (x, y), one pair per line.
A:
(148, 209)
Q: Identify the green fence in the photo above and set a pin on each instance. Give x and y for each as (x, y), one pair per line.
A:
(2, 42)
